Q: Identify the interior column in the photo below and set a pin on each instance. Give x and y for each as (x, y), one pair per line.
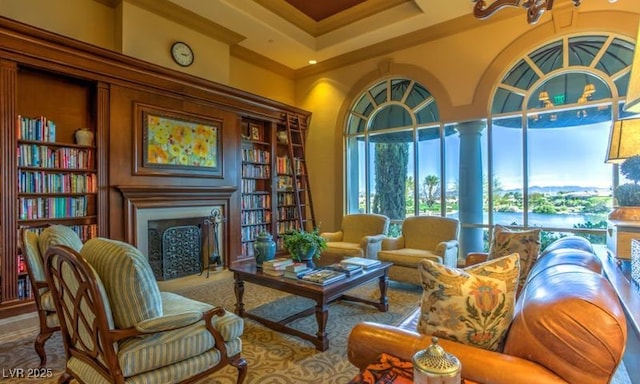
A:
(470, 187)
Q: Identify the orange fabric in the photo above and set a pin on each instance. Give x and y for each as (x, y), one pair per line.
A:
(387, 370)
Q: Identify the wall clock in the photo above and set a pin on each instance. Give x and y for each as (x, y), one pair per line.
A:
(182, 53)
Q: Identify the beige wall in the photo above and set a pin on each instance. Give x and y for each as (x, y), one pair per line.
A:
(460, 69)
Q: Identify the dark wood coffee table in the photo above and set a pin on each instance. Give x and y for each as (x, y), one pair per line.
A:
(322, 295)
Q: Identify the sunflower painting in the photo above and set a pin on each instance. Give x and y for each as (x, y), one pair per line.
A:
(171, 142)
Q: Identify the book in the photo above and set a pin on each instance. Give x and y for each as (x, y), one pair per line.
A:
(273, 272)
(361, 261)
(323, 276)
(347, 269)
(297, 275)
(297, 267)
(277, 262)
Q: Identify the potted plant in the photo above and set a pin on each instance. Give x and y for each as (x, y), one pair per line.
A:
(304, 246)
(628, 195)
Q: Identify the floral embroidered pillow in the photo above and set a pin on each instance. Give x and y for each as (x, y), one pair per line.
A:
(474, 305)
(524, 243)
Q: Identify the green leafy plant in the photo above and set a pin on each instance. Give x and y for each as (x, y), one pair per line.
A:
(628, 194)
(300, 242)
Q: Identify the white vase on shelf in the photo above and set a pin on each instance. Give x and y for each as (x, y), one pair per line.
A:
(83, 136)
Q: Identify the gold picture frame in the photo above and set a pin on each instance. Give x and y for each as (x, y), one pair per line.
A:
(170, 142)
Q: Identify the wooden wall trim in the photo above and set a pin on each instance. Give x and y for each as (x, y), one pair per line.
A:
(153, 196)
(44, 49)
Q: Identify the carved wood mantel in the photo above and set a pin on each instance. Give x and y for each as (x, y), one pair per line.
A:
(153, 196)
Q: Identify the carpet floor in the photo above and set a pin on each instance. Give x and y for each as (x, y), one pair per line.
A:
(272, 357)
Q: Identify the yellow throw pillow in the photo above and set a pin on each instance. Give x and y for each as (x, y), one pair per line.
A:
(474, 305)
(525, 243)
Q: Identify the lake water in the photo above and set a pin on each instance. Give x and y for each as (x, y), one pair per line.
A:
(544, 220)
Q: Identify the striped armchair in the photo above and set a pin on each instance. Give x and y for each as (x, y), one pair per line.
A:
(119, 328)
(33, 247)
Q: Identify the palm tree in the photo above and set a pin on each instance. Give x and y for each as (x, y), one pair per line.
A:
(430, 189)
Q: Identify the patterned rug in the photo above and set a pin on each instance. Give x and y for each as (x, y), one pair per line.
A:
(272, 357)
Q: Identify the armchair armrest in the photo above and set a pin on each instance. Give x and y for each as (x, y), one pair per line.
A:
(475, 258)
(448, 250)
(169, 322)
(393, 243)
(371, 245)
(367, 340)
(332, 236)
(372, 239)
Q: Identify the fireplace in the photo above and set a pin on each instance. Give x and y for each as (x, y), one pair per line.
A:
(176, 247)
(172, 227)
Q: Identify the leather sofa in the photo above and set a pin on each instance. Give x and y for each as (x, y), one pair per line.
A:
(568, 326)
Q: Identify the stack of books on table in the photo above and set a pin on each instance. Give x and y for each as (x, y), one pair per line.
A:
(347, 269)
(296, 270)
(276, 267)
(360, 261)
(323, 276)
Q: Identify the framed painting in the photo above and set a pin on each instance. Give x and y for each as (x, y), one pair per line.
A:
(175, 143)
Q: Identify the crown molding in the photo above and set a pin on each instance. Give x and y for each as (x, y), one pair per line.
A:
(337, 21)
(252, 57)
(177, 14)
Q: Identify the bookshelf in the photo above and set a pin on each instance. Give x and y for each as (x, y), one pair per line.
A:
(53, 179)
(256, 200)
(295, 206)
(275, 194)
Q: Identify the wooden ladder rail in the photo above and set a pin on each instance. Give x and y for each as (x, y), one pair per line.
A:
(296, 137)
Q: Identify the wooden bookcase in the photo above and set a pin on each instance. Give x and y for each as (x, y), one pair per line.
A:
(49, 179)
(275, 189)
(256, 189)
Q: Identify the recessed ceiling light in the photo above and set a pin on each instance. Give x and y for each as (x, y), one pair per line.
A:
(313, 62)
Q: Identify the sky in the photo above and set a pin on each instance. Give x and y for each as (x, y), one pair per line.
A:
(558, 157)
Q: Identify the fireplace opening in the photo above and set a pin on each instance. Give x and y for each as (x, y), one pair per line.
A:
(176, 246)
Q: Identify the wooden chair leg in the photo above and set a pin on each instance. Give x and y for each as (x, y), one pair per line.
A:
(241, 364)
(39, 347)
(65, 378)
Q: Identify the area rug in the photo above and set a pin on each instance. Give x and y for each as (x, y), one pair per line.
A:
(272, 357)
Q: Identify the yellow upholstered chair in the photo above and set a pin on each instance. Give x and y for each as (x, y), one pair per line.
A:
(33, 247)
(118, 327)
(361, 234)
(423, 237)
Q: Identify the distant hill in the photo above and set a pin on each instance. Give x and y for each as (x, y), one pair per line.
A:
(564, 188)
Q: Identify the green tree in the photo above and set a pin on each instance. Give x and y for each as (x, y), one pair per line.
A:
(409, 193)
(430, 190)
(391, 162)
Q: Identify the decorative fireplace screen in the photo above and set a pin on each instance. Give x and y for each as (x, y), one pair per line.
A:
(175, 247)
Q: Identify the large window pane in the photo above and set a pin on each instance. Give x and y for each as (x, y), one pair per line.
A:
(561, 193)
(389, 160)
(508, 180)
(356, 175)
(452, 166)
(429, 174)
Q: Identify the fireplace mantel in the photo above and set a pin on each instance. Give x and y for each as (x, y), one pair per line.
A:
(142, 197)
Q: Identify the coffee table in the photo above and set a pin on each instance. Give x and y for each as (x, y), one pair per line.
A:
(322, 295)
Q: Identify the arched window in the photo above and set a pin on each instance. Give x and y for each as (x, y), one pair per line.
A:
(548, 133)
(395, 144)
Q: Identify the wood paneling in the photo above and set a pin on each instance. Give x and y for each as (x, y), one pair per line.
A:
(99, 88)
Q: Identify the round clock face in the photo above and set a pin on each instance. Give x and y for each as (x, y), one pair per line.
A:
(182, 54)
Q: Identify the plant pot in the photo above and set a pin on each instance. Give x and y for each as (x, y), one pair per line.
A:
(625, 214)
(305, 257)
(264, 248)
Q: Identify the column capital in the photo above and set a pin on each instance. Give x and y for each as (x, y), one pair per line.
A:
(471, 127)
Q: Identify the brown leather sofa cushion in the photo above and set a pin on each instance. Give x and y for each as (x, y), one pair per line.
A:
(567, 319)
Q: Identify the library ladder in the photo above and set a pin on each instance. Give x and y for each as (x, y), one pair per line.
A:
(296, 131)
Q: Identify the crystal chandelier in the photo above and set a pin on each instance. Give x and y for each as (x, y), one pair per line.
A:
(535, 8)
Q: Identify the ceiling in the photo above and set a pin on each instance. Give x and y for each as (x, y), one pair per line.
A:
(292, 32)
